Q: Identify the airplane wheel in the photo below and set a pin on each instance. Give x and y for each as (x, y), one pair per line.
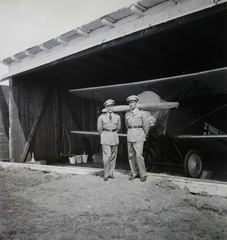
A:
(149, 157)
(193, 164)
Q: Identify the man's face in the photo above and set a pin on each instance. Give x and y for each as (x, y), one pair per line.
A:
(132, 105)
(109, 108)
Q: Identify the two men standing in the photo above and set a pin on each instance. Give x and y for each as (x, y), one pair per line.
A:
(137, 129)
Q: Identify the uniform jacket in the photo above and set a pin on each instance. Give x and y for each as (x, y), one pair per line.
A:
(138, 118)
(109, 138)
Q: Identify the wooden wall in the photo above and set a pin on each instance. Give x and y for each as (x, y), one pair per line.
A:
(42, 115)
(4, 123)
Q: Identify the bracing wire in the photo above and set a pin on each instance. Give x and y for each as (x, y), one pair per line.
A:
(201, 117)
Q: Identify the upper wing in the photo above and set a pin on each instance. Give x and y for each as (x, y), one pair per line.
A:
(168, 87)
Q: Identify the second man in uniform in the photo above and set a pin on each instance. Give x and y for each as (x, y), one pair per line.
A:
(138, 128)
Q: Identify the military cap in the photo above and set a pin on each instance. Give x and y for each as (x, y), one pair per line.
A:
(132, 98)
(109, 102)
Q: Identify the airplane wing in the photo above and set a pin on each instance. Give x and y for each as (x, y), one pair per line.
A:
(224, 137)
(170, 86)
(206, 143)
(95, 135)
(87, 134)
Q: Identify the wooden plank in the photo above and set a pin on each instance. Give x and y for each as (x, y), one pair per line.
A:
(34, 127)
(197, 186)
(14, 144)
(4, 123)
(56, 121)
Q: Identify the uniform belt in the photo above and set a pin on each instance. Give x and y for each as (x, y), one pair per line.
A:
(135, 126)
(109, 130)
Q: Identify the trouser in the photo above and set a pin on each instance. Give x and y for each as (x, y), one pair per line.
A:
(109, 154)
(136, 160)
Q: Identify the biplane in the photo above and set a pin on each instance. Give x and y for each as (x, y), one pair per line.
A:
(187, 117)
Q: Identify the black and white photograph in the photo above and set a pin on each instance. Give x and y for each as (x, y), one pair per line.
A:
(113, 119)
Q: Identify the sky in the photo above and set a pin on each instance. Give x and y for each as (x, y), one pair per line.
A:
(27, 23)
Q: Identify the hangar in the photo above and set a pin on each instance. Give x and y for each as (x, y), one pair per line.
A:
(148, 40)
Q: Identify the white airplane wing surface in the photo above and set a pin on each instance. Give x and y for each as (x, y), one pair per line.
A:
(169, 87)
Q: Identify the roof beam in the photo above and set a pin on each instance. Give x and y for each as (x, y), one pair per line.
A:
(62, 41)
(29, 53)
(138, 9)
(107, 21)
(83, 31)
(42, 47)
(14, 58)
(5, 63)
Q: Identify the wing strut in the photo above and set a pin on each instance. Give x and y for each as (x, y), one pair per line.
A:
(93, 109)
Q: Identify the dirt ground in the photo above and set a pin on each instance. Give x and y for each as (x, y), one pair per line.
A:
(38, 205)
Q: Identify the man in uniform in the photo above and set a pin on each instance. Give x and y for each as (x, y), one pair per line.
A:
(108, 125)
(138, 128)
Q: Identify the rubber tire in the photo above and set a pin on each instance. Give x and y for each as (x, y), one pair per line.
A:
(193, 159)
(149, 157)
